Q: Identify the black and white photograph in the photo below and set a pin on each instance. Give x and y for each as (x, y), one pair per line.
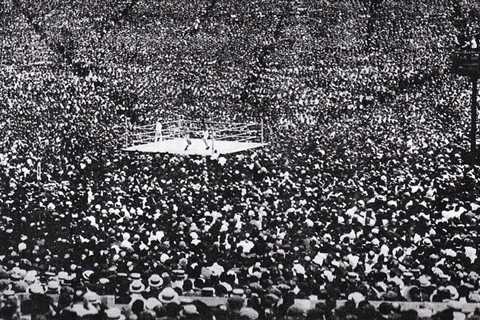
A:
(239, 160)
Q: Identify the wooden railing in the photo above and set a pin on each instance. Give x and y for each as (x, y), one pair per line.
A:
(109, 301)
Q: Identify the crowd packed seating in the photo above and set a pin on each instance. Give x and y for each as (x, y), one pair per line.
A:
(363, 194)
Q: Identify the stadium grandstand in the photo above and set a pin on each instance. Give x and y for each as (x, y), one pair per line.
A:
(325, 168)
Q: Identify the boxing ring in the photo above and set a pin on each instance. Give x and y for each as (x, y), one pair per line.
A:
(193, 137)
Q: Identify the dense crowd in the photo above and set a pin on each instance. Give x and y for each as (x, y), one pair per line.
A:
(362, 194)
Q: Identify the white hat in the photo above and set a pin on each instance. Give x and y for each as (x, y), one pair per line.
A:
(30, 278)
(155, 281)
(22, 246)
(424, 281)
(53, 286)
(87, 274)
(227, 286)
(248, 313)
(91, 297)
(164, 257)
(137, 286)
(63, 275)
(151, 303)
(135, 276)
(168, 295)
(36, 288)
(114, 314)
(189, 309)
(238, 292)
(83, 310)
(8, 293)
